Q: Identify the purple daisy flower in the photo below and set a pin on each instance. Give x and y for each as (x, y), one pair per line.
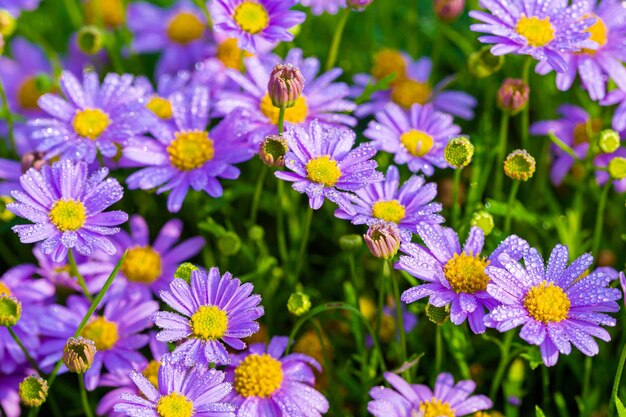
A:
(446, 400)
(558, 305)
(197, 392)
(116, 331)
(9, 393)
(266, 383)
(16, 6)
(213, 309)
(596, 67)
(417, 138)
(542, 30)
(322, 98)
(407, 207)
(185, 154)
(179, 33)
(320, 6)
(93, 118)
(454, 276)
(10, 173)
(323, 163)
(66, 205)
(602, 175)
(256, 23)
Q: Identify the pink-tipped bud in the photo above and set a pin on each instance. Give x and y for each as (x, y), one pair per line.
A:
(78, 354)
(359, 5)
(32, 160)
(449, 10)
(513, 96)
(383, 240)
(285, 85)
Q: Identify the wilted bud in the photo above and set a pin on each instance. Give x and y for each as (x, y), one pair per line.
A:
(229, 244)
(483, 63)
(299, 303)
(438, 315)
(273, 150)
(449, 10)
(256, 233)
(609, 141)
(383, 240)
(8, 23)
(350, 243)
(359, 5)
(33, 391)
(10, 310)
(184, 271)
(484, 221)
(513, 96)
(33, 160)
(519, 165)
(617, 168)
(285, 85)
(459, 152)
(90, 40)
(78, 354)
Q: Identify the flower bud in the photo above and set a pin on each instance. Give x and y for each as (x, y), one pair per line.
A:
(8, 23)
(90, 40)
(438, 315)
(229, 244)
(10, 310)
(513, 96)
(383, 240)
(609, 141)
(285, 85)
(483, 63)
(78, 354)
(519, 165)
(256, 233)
(350, 243)
(33, 159)
(516, 371)
(459, 152)
(359, 5)
(184, 271)
(33, 391)
(449, 10)
(617, 168)
(5, 214)
(484, 221)
(273, 150)
(299, 303)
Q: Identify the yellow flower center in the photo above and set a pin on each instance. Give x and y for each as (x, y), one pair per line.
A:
(538, 32)
(151, 372)
(323, 170)
(28, 94)
(142, 264)
(174, 405)
(436, 408)
(190, 149)
(466, 273)
(258, 376)
(387, 62)
(547, 303)
(102, 332)
(185, 27)
(209, 323)
(408, 92)
(161, 107)
(294, 115)
(229, 53)
(251, 17)
(67, 215)
(389, 211)
(90, 123)
(599, 33)
(111, 12)
(4, 290)
(6, 215)
(418, 143)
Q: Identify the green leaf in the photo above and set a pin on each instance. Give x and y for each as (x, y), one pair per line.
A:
(539, 412)
(621, 410)
(533, 356)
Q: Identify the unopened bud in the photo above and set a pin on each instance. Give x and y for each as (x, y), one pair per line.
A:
(484, 221)
(350, 243)
(359, 5)
(33, 391)
(609, 141)
(8, 23)
(483, 63)
(184, 271)
(90, 40)
(33, 160)
(459, 152)
(617, 168)
(519, 165)
(10, 310)
(438, 315)
(516, 371)
(229, 244)
(78, 354)
(256, 233)
(299, 303)
(513, 96)
(449, 10)
(285, 85)
(273, 150)
(383, 240)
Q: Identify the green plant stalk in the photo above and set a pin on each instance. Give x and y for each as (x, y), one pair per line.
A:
(456, 206)
(512, 195)
(526, 111)
(83, 395)
(334, 46)
(597, 232)
(280, 224)
(257, 194)
(76, 17)
(207, 15)
(359, 339)
(381, 297)
(399, 316)
(79, 277)
(281, 121)
(504, 131)
(30, 359)
(505, 358)
(308, 217)
(616, 381)
(438, 349)
(545, 378)
(8, 116)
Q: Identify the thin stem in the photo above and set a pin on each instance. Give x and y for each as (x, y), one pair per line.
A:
(526, 112)
(334, 46)
(399, 315)
(280, 224)
(8, 116)
(83, 396)
(281, 121)
(202, 5)
(75, 273)
(545, 373)
(505, 358)
(597, 232)
(512, 195)
(304, 242)
(438, 349)
(504, 132)
(456, 206)
(73, 11)
(588, 367)
(381, 296)
(616, 381)
(26, 353)
(257, 194)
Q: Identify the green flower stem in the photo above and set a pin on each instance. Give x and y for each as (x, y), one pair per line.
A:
(616, 381)
(400, 318)
(202, 5)
(456, 206)
(8, 116)
(281, 121)
(334, 46)
(597, 232)
(386, 273)
(438, 349)
(306, 230)
(114, 53)
(588, 368)
(505, 359)
(562, 145)
(504, 132)
(280, 224)
(76, 17)
(75, 273)
(526, 111)
(545, 378)
(83, 396)
(257, 194)
(512, 195)
(32, 361)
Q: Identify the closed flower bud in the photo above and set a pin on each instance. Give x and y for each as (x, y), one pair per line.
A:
(299, 303)
(33, 391)
(617, 168)
(609, 141)
(285, 85)
(10, 310)
(350, 243)
(484, 221)
(229, 244)
(383, 240)
(33, 160)
(8, 23)
(184, 271)
(516, 371)
(78, 354)
(273, 150)
(449, 10)
(459, 152)
(513, 96)
(256, 233)
(90, 40)
(438, 315)
(519, 165)
(483, 63)
(359, 5)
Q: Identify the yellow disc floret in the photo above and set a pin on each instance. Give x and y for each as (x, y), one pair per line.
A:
(209, 323)
(258, 376)
(251, 17)
(436, 408)
(161, 107)
(538, 32)
(174, 405)
(387, 62)
(28, 93)
(296, 114)
(389, 211)
(151, 372)
(323, 170)
(418, 143)
(190, 149)
(142, 264)
(102, 332)
(547, 303)
(408, 92)
(466, 273)
(184, 28)
(68, 215)
(90, 123)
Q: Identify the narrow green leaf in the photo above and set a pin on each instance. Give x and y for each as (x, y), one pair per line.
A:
(539, 412)
(621, 410)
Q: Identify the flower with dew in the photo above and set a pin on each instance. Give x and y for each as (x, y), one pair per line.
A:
(182, 392)
(322, 164)
(184, 154)
(557, 305)
(9, 392)
(454, 276)
(612, 166)
(66, 205)
(406, 206)
(158, 100)
(410, 86)
(16, 6)
(544, 31)
(180, 33)
(268, 382)
(92, 118)
(324, 6)
(383, 239)
(596, 66)
(210, 310)
(417, 138)
(256, 23)
(322, 99)
(407, 400)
